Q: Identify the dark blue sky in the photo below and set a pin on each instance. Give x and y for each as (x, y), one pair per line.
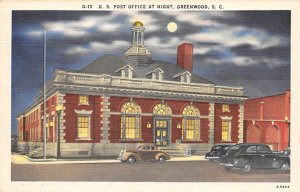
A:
(235, 48)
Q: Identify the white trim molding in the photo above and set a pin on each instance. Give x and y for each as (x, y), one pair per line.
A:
(211, 118)
(105, 115)
(83, 112)
(241, 123)
(61, 101)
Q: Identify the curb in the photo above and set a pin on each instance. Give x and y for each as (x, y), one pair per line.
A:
(71, 161)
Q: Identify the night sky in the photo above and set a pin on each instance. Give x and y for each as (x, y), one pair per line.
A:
(234, 48)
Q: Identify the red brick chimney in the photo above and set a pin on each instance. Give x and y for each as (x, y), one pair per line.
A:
(185, 56)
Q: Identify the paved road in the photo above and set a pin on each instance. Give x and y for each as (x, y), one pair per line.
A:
(192, 171)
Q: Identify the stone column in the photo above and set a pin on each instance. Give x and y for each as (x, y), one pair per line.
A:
(105, 119)
(211, 118)
(241, 123)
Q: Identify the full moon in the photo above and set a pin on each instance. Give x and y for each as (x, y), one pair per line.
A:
(172, 27)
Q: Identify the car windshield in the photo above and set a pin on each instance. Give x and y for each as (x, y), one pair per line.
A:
(140, 147)
(216, 148)
(235, 147)
(226, 148)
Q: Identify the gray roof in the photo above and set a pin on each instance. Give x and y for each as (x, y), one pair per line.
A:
(109, 64)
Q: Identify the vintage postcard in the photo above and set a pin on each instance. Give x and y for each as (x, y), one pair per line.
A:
(165, 96)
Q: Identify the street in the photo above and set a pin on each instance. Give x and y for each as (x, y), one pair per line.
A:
(191, 171)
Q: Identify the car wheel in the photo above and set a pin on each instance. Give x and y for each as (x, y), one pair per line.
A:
(131, 159)
(228, 168)
(246, 167)
(161, 159)
(285, 167)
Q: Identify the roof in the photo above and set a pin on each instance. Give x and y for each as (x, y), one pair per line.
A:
(109, 64)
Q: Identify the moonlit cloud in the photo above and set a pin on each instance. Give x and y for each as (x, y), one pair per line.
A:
(211, 30)
(96, 47)
(35, 33)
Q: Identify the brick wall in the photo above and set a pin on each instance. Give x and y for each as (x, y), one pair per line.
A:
(147, 107)
(234, 112)
(271, 115)
(72, 104)
(275, 107)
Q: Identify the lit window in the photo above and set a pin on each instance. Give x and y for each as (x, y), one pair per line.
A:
(83, 99)
(162, 109)
(190, 123)
(225, 108)
(83, 124)
(226, 130)
(131, 121)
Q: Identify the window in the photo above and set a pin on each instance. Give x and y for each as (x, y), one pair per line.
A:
(83, 100)
(225, 108)
(263, 149)
(251, 149)
(185, 77)
(156, 75)
(125, 72)
(83, 123)
(226, 130)
(162, 109)
(131, 121)
(190, 123)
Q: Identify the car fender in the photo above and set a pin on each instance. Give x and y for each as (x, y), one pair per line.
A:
(280, 161)
(136, 156)
(167, 157)
(239, 162)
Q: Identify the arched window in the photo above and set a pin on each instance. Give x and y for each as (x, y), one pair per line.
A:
(130, 121)
(162, 109)
(190, 123)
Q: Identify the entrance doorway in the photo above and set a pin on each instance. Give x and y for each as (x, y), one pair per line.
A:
(161, 132)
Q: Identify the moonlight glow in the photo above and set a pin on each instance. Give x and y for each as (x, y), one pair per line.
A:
(172, 27)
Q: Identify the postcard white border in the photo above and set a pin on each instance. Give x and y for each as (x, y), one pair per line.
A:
(5, 94)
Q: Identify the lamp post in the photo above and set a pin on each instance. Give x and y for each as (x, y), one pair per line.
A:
(58, 109)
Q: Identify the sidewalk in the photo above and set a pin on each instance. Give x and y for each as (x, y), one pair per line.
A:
(22, 159)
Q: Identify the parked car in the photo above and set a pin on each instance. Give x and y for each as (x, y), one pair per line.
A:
(251, 156)
(217, 151)
(143, 153)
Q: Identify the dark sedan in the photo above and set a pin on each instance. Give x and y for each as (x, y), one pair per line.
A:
(254, 156)
(217, 151)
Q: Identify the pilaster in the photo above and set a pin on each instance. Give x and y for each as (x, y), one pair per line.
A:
(105, 115)
(62, 127)
(241, 123)
(211, 117)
